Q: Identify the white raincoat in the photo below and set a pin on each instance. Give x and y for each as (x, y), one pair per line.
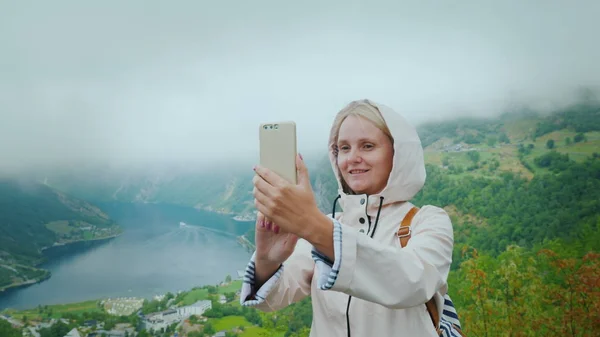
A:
(374, 287)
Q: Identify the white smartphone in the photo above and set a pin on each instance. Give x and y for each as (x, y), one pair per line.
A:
(278, 148)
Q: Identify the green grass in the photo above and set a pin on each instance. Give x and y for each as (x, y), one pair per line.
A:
(255, 331)
(519, 130)
(250, 330)
(59, 227)
(434, 157)
(229, 322)
(576, 151)
(198, 294)
(194, 295)
(505, 154)
(582, 150)
(57, 310)
(62, 228)
(232, 287)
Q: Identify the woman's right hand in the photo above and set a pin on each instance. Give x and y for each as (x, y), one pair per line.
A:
(273, 247)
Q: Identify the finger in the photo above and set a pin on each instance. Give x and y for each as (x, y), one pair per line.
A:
(264, 187)
(262, 208)
(269, 225)
(264, 204)
(263, 197)
(292, 239)
(270, 177)
(302, 172)
(260, 220)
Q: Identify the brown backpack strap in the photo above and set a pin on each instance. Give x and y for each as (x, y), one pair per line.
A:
(404, 233)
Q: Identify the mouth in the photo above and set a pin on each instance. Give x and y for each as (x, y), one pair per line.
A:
(358, 172)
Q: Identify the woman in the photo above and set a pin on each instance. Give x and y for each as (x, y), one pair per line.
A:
(363, 282)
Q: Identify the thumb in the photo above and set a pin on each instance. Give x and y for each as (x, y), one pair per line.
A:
(292, 240)
(302, 172)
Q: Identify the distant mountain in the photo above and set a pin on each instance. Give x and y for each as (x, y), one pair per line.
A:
(34, 217)
(227, 190)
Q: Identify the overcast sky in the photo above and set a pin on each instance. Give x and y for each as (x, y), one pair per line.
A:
(133, 81)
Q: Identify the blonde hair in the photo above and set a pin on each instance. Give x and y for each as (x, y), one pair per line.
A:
(360, 108)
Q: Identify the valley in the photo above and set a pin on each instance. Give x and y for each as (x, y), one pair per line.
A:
(522, 190)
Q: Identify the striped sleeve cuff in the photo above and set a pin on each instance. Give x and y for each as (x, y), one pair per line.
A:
(449, 312)
(449, 330)
(449, 322)
(249, 296)
(328, 270)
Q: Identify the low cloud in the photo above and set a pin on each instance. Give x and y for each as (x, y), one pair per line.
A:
(139, 83)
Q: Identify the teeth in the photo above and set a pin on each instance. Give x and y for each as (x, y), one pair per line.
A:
(357, 171)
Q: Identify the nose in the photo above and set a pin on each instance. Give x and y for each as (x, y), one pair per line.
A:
(354, 156)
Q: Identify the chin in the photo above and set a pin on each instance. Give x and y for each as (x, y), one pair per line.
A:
(359, 189)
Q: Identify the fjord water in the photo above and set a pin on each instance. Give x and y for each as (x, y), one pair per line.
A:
(153, 256)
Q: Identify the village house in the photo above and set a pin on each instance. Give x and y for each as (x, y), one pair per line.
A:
(161, 320)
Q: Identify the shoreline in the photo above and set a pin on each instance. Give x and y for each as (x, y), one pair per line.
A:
(11, 311)
(44, 259)
(65, 244)
(240, 217)
(27, 283)
(244, 218)
(243, 240)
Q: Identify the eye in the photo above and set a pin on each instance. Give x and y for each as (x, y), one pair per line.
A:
(344, 148)
(368, 146)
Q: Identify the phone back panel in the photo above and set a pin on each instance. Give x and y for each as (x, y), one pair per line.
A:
(278, 148)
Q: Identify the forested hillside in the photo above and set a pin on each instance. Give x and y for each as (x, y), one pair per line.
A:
(33, 217)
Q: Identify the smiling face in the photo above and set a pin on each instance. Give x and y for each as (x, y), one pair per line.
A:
(365, 155)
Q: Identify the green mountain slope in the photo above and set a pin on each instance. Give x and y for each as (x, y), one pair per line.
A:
(519, 179)
(33, 217)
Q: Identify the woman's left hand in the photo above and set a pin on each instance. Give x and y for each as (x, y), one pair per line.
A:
(291, 207)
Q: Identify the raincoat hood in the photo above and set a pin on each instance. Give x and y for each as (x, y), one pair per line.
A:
(407, 176)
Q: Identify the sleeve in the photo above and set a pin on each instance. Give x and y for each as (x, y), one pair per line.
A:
(290, 283)
(388, 275)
